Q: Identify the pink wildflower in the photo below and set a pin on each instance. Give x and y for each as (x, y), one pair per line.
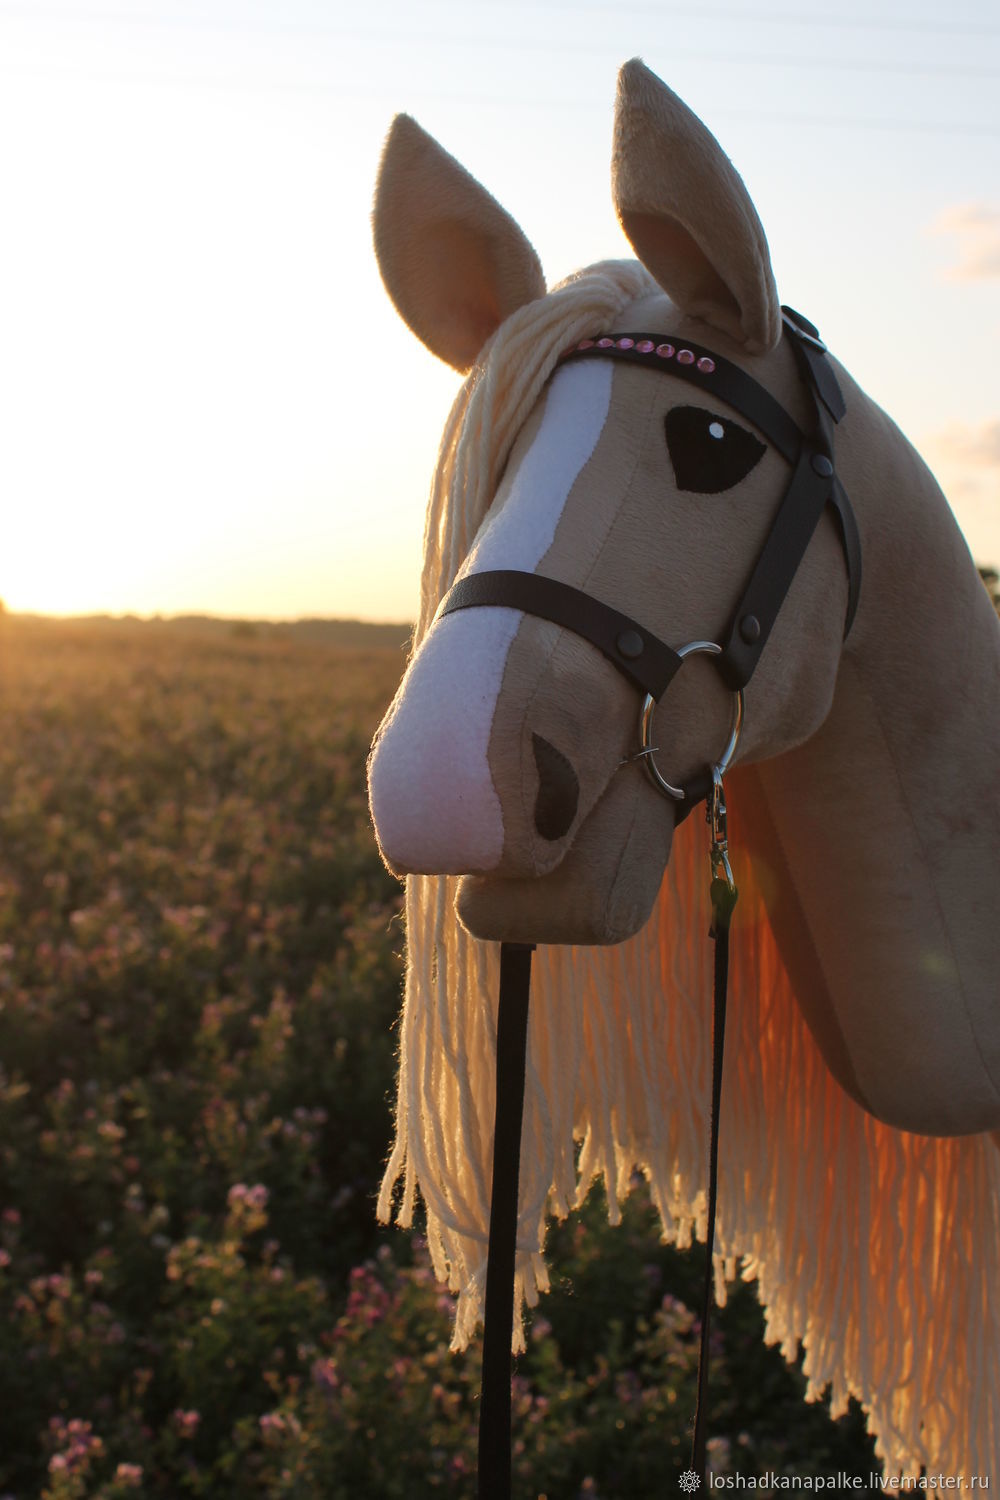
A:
(187, 1422)
(324, 1374)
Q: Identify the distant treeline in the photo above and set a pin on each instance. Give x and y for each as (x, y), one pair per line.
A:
(353, 635)
(349, 634)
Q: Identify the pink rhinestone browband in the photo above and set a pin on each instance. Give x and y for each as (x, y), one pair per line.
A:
(647, 346)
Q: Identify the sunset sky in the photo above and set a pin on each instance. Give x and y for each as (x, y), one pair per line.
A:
(207, 402)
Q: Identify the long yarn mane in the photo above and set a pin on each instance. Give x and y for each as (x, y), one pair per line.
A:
(878, 1250)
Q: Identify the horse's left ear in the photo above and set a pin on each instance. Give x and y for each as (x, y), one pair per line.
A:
(453, 261)
(687, 213)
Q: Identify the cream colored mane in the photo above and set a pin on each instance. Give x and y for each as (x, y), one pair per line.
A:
(839, 1217)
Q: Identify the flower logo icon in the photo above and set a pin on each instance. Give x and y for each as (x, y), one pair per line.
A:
(689, 1481)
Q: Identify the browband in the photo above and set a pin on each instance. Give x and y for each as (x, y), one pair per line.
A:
(647, 661)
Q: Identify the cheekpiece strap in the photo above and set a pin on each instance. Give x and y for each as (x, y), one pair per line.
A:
(791, 531)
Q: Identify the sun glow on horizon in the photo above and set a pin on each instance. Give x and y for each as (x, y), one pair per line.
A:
(209, 404)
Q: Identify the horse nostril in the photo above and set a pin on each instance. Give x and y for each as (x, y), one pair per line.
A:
(558, 790)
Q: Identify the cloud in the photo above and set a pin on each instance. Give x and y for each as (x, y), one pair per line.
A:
(972, 447)
(977, 229)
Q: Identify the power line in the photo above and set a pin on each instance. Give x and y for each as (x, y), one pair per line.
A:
(776, 18)
(620, 12)
(757, 59)
(505, 102)
(563, 46)
(853, 122)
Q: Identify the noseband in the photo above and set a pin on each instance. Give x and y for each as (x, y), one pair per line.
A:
(649, 663)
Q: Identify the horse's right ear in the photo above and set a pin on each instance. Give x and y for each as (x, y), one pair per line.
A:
(453, 261)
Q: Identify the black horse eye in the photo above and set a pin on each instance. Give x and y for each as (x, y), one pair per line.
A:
(709, 453)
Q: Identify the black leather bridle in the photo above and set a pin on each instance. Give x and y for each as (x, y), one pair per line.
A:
(645, 660)
(651, 665)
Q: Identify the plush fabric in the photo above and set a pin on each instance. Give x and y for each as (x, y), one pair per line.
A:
(693, 225)
(860, 1183)
(453, 261)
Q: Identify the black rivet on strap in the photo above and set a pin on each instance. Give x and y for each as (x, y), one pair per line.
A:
(750, 629)
(821, 465)
(630, 644)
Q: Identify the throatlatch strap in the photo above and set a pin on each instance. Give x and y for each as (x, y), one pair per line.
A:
(723, 902)
(512, 1042)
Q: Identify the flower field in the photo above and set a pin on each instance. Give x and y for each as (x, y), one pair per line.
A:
(200, 968)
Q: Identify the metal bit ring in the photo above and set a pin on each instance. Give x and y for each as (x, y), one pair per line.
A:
(646, 749)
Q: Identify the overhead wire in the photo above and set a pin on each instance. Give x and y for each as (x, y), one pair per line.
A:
(814, 62)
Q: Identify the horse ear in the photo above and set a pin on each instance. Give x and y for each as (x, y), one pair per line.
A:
(687, 213)
(453, 261)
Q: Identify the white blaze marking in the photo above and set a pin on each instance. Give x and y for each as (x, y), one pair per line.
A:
(433, 800)
(522, 526)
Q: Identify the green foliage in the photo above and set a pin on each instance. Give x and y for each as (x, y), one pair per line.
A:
(199, 979)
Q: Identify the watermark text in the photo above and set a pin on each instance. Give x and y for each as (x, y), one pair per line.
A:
(899, 1484)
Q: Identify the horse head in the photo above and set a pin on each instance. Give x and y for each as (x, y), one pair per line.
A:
(510, 756)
